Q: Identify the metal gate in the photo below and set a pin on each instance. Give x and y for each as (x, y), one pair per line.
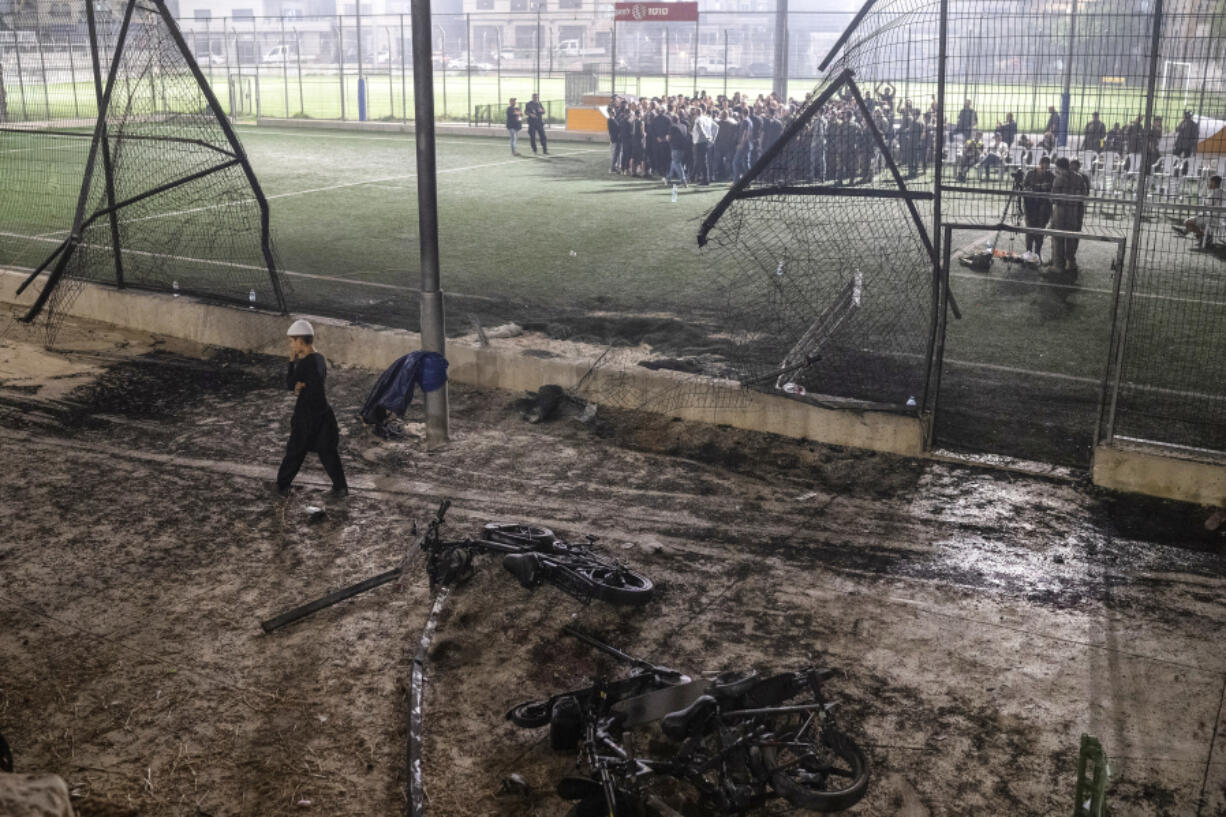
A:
(1023, 374)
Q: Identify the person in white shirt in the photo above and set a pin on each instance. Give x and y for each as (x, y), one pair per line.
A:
(703, 132)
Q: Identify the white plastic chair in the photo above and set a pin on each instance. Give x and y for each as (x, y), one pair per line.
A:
(1163, 173)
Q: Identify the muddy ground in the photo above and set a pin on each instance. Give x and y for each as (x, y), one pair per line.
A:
(980, 621)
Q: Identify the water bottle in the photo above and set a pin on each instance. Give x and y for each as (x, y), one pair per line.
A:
(251, 299)
(674, 194)
(779, 269)
(911, 402)
(175, 286)
(794, 388)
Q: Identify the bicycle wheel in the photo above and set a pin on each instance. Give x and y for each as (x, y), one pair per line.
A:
(615, 585)
(511, 533)
(830, 775)
(530, 715)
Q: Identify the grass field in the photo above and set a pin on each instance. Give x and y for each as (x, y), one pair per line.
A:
(560, 245)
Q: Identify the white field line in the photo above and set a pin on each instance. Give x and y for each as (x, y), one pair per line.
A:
(32, 150)
(247, 130)
(328, 189)
(1094, 381)
(978, 276)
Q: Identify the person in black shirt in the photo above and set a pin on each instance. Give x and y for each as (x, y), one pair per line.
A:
(313, 426)
(1053, 121)
(1007, 130)
(968, 120)
(1095, 133)
(615, 140)
(515, 122)
(1037, 210)
(535, 112)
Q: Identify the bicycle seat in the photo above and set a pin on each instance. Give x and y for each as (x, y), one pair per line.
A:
(680, 724)
(523, 567)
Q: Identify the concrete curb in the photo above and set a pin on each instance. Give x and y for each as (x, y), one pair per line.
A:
(1128, 468)
(375, 348)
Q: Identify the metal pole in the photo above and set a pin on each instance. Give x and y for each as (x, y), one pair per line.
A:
(498, 81)
(298, 52)
(43, 63)
(537, 85)
(1065, 95)
(725, 63)
(443, 56)
(285, 65)
(468, 47)
(432, 326)
(697, 23)
(255, 45)
(906, 84)
(76, 103)
(613, 63)
(208, 38)
(781, 48)
(391, 76)
(941, 238)
(404, 88)
(363, 97)
(340, 53)
(1135, 250)
(666, 50)
(21, 80)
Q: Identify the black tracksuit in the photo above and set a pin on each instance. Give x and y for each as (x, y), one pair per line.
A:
(313, 427)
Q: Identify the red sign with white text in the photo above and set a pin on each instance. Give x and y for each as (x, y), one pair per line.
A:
(655, 12)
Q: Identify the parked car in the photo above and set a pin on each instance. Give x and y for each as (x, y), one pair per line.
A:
(460, 64)
(281, 53)
(571, 48)
(715, 66)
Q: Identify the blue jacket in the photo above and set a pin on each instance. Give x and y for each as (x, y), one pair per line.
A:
(394, 390)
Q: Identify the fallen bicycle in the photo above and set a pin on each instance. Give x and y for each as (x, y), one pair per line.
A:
(534, 555)
(736, 739)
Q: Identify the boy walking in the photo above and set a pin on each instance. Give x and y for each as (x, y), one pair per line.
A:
(313, 426)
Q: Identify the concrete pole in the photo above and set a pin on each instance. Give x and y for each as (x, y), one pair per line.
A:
(433, 338)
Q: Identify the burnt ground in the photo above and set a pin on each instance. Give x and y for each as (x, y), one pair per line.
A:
(980, 621)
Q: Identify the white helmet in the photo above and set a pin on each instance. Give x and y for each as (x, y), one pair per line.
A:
(299, 328)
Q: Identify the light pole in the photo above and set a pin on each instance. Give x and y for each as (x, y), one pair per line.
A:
(433, 338)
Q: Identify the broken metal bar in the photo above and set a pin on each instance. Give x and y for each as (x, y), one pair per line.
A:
(290, 616)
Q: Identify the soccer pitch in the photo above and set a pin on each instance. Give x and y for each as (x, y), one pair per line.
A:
(558, 244)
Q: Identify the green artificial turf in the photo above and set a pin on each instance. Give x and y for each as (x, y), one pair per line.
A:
(560, 243)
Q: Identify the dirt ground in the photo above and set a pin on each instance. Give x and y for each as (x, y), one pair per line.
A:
(980, 621)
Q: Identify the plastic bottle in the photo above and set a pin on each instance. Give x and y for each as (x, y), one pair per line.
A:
(911, 402)
(674, 194)
(251, 299)
(779, 269)
(794, 388)
(174, 285)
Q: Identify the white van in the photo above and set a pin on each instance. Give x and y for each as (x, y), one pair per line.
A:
(278, 54)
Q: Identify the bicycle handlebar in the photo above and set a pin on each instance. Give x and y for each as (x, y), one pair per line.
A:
(625, 658)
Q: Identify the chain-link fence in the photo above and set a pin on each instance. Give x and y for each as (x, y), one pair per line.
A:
(360, 67)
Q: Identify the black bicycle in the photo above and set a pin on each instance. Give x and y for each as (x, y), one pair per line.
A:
(740, 739)
(535, 555)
